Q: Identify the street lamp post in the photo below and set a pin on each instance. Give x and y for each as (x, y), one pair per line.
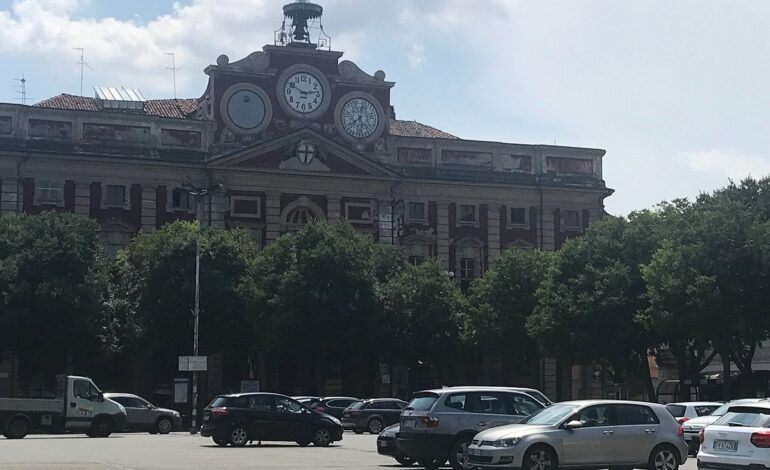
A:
(199, 194)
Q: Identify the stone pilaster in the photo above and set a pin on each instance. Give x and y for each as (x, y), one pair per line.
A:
(385, 222)
(442, 234)
(550, 378)
(149, 206)
(217, 208)
(10, 192)
(548, 227)
(333, 213)
(493, 232)
(272, 216)
(83, 198)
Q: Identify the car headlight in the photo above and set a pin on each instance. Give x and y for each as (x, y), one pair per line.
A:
(506, 442)
(336, 421)
(176, 414)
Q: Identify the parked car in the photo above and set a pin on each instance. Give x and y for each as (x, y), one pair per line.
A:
(306, 400)
(386, 445)
(246, 417)
(694, 426)
(686, 411)
(439, 424)
(372, 415)
(333, 406)
(597, 434)
(144, 416)
(738, 440)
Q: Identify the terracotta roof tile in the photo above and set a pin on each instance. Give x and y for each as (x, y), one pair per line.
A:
(416, 129)
(179, 109)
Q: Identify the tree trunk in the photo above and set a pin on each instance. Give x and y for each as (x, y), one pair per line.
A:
(647, 377)
(726, 392)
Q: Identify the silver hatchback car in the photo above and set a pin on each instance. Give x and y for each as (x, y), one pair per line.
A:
(589, 434)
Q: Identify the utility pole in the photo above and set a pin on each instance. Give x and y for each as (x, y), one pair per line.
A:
(173, 69)
(199, 194)
(21, 89)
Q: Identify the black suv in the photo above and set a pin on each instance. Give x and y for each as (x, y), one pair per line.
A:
(372, 415)
(245, 417)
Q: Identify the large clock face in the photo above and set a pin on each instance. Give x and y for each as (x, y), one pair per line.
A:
(246, 109)
(359, 118)
(303, 92)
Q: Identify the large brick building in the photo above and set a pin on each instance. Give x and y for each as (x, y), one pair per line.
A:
(293, 133)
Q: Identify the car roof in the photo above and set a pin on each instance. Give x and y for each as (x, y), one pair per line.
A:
(120, 395)
(250, 394)
(340, 398)
(609, 402)
(764, 403)
(369, 400)
(696, 403)
(476, 388)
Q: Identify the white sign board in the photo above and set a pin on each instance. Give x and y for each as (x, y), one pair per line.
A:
(193, 363)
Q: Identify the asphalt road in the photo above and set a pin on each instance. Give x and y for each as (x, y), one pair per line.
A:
(183, 451)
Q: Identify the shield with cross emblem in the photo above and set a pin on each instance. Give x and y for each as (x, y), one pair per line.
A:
(305, 153)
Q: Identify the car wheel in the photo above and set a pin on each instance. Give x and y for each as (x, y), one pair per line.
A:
(405, 461)
(322, 437)
(239, 437)
(17, 428)
(100, 428)
(539, 458)
(303, 443)
(165, 426)
(663, 458)
(431, 464)
(358, 431)
(459, 452)
(375, 426)
(221, 442)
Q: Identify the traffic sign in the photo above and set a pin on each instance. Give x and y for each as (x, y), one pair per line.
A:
(193, 363)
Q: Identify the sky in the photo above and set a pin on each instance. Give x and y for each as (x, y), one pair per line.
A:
(677, 93)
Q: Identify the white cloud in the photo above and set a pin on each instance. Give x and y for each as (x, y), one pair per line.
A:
(416, 54)
(728, 163)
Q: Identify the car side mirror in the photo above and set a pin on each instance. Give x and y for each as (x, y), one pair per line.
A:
(572, 425)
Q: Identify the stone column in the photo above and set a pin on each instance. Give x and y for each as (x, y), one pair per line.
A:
(442, 234)
(83, 198)
(385, 222)
(333, 213)
(493, 233)
(10, 194)
(548, 226)
(217, 207)
(273, 216)
(550, 378)
(149, 206)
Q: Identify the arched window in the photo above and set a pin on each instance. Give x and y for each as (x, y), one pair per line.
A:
(300, 216)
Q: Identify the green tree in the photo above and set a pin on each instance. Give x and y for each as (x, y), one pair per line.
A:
(314, 306)
(501, 302)
(52, 284)
(154, 291)
(591, 294)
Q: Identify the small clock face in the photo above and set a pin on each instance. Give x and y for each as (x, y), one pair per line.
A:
(303, 92)
(359, 118)
(246, 109)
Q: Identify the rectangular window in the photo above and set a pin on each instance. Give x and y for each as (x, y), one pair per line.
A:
(181, 199)
(115, 195)
(48, 191)
(358, 212)
(416, 212)
(571, 219)
(246, 206)
(467, 273)
(467, 214)
(416, 260)
(518, 216)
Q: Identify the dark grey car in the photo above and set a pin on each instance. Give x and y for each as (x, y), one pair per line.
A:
(144, 416)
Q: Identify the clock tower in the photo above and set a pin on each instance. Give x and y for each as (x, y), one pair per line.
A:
(298, 82)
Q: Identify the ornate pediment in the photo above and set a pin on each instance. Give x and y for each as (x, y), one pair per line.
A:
(302, 151)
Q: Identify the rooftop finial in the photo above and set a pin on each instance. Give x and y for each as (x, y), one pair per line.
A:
(302, 15)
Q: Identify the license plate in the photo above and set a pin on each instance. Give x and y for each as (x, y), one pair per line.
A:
(408, 424)
(382, 443)
(206, 418)
(729, 446)
(474, 451)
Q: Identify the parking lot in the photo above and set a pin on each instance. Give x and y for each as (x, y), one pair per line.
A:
(183, 451)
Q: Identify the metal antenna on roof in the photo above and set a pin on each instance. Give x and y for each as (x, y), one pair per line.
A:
(173, 69)
(82, 63)
(21, 89)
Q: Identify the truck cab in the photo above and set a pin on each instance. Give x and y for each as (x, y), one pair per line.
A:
(82, 408)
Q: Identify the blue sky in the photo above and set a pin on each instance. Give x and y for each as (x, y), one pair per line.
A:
(676, 92)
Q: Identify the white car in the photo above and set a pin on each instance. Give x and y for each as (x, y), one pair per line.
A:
(693, 427)
(589, 433)
(686, 411)
(738, 440)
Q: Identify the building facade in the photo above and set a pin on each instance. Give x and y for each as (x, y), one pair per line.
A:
(293, 133)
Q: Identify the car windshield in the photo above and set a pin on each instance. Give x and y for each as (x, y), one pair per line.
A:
(539, 397)
(551, 415)
(356, 406)
(677, 411)
(746, 416)
(218, 402)
(422, 402)
(721, 410)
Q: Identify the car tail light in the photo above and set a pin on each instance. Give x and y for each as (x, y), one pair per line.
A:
(220, 411)
(682, 420)
(319, 409)
(761, 439)
(429, 421)
(356, 413)
(702, 435)
(680, 432)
